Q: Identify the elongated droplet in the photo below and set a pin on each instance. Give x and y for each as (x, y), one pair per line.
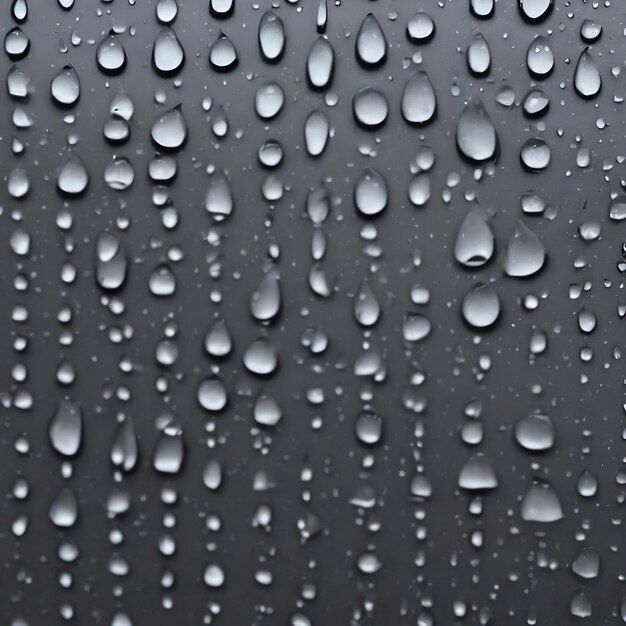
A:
(265, 301)
(366, 307)
(166, 11)
(169, 453)
(125, 448)
(539, 57)
(322, 16)
(72, 178)
(168, 55)
(419, 103)
(19, 11)
(169, 131)
(320, 63)
(587, 79)
(481, 306)
(474, 241)
(316, 130)
(65, 86)
(218, 341)
(63, 511)
(478, 56)
(110, 54)
(370, 193)
(269, 100)
(371, 43)
(525, 254)
(111, 264)
(218, 200)
(272, 37)
(66, 428)
(476, 135)
(223, 56)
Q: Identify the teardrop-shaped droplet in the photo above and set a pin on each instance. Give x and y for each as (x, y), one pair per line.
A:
(478, 56)
(223, 56)
(122, 106)
(260, 358)
(541, 504)
(474, 241)
(218, 341)
(65, 86)
(73, 178)
(482, 9)
(525, 254)
(269, 100)
(370, 107)
(316, 131)
(539, 57)
(370, 193)
(66, 428)
(125, 448)
(265, 301)
(111, 263)
(535, 103)
(166, 11)
(420, 28)
(18, 84)
(535, 433)
(587, 79)
(169, 131)
(535, 154)
(481, 306)
(16, 43)
(371, 43)
(320, 63)
(535, 10)
(63, 511)
(478, 474)
(476, 135)
(110, 54)
(322, 16)
(218, 200)
(272, 37)
(366, 307)
(419, 103)
(419, 189)
(168, 55)
(590, 30)
(19, 11)
(221, 8)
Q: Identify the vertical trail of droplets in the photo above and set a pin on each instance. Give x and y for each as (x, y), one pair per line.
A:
(312, 313)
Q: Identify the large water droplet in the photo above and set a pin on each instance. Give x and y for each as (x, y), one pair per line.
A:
(371, 43)
(110, 54)
(19, 10)
(539, 57)
(478, 56)
(271, 37)
(218, 342)
(420, 28)
(169, 131)
(212, 394)
(535, 154)
(525, 254)
(265, 301)
(16, 43)
(316, 131)
(370, 107)
(168, 55)
(166, 11)
(370, 193)
(63, 511)
(476, 135)
(65, 86)
(223, 56)
(366, 307)
(478, 474)
(482, 9)
(320, 63)
(535, 103)
(72, 178)
(535, 10)
(260, 358)
(221, 8)
(587, 79)
(541, 504)
(112, 264)
(535, 433)
(269, 100)
(481, 306)
(418, 102)
(218, 200)
(474, 242)
(66, 428)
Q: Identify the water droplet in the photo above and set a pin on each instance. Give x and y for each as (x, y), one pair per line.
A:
(168, 55)
(482, 9)
(481, 306)
(535, 433)
(617, 210)
(169, 131)
(419, 189)
(65, 86)
(476, 135)
(269, 100)
(110, 54)
(587, 79)
(590, 30)
(535, 10)
(169, 452)
(218, 342)
(66, 428)
(366, 307)
(266, 300)
(370, 107)
(478, 56)
(370, 193)
(316, 131)
(369, 428)
(162, 282)
(266, 411)
(16, 43)
(223, 56)
(478, 474)
(420, 28)
(371, 43)
(525, 254)
(415, 327)
(213, 576)
(418, 103)
(112, 264)
(539, 57)
(221, 8)
(119, 174)
(218, 200)
(587, 564)
(212, 394)
(166, 11)
(272, 37)
(19, 11)
(72, 178)
(63, 511)
(535, 103)
(541, 504)
(474, 242)
(535, 154)
(260, 358)
(320, 64)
